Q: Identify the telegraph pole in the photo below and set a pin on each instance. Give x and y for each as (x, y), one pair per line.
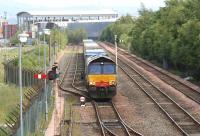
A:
(116, 52)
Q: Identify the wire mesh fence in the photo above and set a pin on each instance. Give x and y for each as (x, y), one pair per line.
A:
(34, 111)
(11, 75)
(34, 101)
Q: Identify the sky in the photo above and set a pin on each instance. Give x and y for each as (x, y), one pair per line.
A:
(12, 7)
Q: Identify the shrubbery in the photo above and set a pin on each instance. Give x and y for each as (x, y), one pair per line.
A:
(170, 36)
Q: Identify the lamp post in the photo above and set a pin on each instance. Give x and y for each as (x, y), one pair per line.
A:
(116, 52)
(48, 32)
(54, 51)
(45, 31)
(23, 39)
(40, 33)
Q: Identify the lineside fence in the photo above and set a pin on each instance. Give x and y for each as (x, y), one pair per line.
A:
(11, 75)
(34, 105)
(34, 102)
(34, 117)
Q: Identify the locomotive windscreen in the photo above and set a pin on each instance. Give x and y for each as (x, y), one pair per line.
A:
(99, 68)
(108, 69)
(95, 69)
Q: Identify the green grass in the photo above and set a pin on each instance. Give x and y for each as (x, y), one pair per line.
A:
(31, 59)
(9, 94)
(9, 97)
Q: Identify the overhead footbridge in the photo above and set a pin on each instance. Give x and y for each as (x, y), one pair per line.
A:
(92, 21)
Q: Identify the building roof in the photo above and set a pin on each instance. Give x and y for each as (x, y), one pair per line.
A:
(68, 13)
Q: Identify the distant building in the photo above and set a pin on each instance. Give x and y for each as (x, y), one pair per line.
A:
(2, 23)
(9, 30)
(92, 21)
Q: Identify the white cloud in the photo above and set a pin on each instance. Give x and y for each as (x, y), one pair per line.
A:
(121, 6)
(91, 3)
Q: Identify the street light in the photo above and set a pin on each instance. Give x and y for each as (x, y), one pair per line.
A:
(45, 31)
(54, 50)
(48, 32)
(23, 38)
(40, 33)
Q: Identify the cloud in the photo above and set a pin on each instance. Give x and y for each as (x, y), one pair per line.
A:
(91, 3)
(121, 6)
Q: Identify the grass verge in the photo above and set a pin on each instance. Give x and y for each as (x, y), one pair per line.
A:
(9, 94)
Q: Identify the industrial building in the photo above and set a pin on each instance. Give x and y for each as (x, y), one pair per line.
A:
(92, 21)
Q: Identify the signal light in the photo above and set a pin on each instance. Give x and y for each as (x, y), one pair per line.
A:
(52, 75)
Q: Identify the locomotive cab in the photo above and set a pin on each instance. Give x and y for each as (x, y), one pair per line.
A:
(101, 77)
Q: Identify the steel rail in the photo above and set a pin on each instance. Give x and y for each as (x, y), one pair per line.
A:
(181, 128)
(126, 128)
(98, 118)
(123, 122)
(79, 93)
(74, 78)
(164, 94)
(102, 125)
(192, 94)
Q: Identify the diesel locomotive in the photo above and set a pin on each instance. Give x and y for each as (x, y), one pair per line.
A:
(100, 71)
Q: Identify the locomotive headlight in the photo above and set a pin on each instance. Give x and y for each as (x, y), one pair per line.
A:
(111, 82)
(91, 83)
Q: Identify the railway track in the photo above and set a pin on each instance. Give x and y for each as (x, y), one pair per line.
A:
(69, 79)
(67, 82)
(70, 83)
(188, 91)
(177, 115)
(113, 125)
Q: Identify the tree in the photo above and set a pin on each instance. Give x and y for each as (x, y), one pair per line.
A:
(169, 36)
(14, 39)
(76, 36)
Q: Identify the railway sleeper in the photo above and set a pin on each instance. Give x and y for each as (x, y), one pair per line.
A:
(115, 124)
(190, 129)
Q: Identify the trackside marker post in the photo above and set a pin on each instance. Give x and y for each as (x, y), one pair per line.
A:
(82, 100)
